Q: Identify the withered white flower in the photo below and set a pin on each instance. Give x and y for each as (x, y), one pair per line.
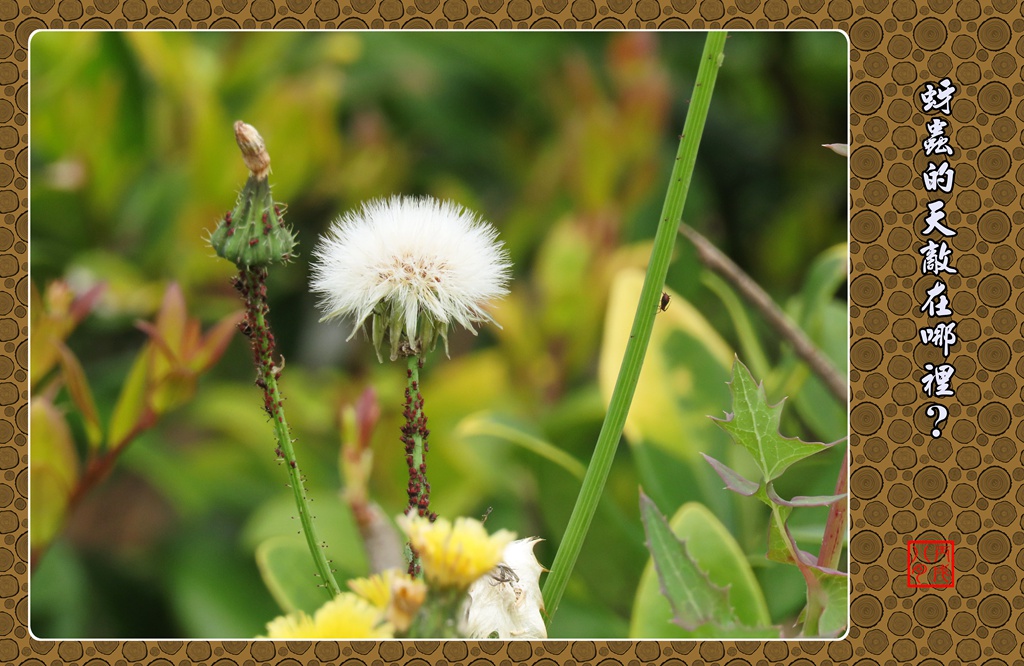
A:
(414, 265)
(507, 602)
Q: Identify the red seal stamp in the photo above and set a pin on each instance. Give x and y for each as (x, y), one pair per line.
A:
(930, 563)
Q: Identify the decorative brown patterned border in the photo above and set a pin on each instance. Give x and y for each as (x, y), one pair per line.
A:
(964, 486)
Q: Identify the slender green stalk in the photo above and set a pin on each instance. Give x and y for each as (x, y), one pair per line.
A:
(643, 323)
(414, 436)
(252, 284)
(413, 384)
(253, 236)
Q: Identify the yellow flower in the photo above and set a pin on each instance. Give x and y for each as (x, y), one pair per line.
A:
(407, 595)
(454, 556)
(397, 594)
(376, 589)
(345, 616)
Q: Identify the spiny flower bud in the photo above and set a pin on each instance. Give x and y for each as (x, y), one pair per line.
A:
(253, 233)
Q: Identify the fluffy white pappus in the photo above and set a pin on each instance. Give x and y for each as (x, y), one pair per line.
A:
(507, 602)
(413, 255)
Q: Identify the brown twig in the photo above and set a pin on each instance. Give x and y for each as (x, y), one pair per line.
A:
(720, 264)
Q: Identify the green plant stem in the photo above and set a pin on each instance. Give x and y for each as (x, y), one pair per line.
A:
(413, 384)
(414, 437)
(813, 609)
(643, 323)
(254, 292)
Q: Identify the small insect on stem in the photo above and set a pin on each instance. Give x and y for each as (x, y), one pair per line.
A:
(665, 300)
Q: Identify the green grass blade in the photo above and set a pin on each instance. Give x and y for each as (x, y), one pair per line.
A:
(643, 322)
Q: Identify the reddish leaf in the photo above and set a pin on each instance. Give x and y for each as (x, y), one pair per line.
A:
(733, 480)
(191, 340)
(214, 343)
(172, 318)
(84, 303)
(804, 500)
(53, 316)
(367, 414)
(81, 394)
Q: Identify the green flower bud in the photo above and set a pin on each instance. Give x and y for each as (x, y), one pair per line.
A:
(253, 233)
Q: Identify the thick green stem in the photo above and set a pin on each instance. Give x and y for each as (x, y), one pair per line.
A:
(643, 322)
(252, 283)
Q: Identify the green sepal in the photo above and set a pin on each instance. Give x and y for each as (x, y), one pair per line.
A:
(254, 233)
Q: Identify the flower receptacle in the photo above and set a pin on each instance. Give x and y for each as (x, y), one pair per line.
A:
(253, 233)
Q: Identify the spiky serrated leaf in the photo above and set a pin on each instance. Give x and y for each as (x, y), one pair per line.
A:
(754, 425)
(695, 600)
(717, 553)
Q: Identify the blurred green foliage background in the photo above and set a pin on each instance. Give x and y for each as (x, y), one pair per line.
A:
(564, 142)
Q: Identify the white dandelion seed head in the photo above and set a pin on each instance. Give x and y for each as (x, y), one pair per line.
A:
(415, 264)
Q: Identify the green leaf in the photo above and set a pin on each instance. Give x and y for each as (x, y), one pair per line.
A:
(717, 553)
(749, 342)
(814, 402)
(53, 471)
(214, 588)
(780, 548)
(172, 322)
(832, 596)
(683, 376)
(670, 481)
(823, 318)
(488, 426)
(287, 568)
(754, 424)
(288, 572)
(825, 276)
(719, 587)
(132, 411)
(589, 618)
(695, 600)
